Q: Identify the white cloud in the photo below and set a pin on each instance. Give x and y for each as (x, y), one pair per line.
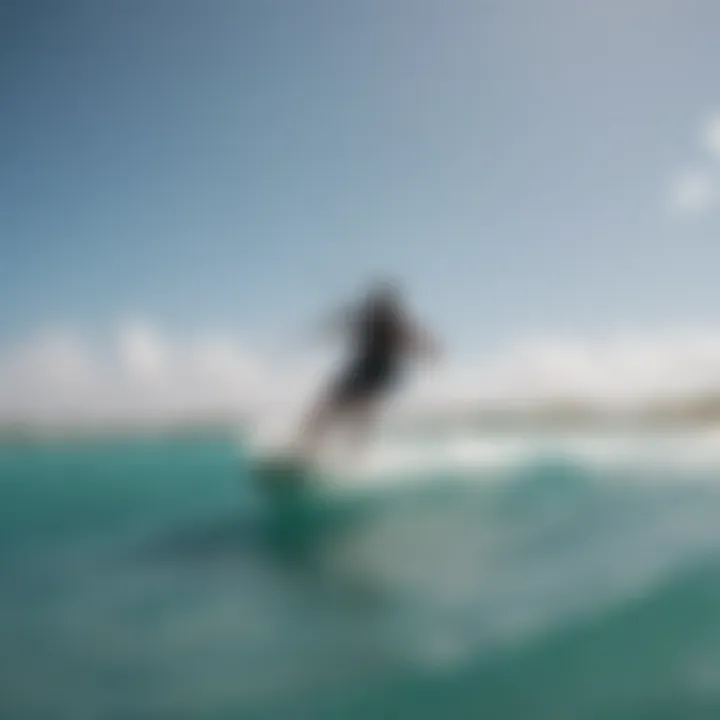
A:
(693, 192)
(711, 135)
(623, 369)
(58, 376)
(141, 351)
(697, 190)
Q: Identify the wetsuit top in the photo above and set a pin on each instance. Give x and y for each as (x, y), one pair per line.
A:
(379, 335)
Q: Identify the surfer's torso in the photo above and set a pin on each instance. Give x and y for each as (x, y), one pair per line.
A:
(379, 335)
(378, 338)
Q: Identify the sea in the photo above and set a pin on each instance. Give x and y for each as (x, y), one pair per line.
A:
(500, 576)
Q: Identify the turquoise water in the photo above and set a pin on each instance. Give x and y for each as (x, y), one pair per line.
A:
(145, 579)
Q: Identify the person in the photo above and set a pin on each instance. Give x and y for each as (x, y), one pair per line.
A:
(383, 339)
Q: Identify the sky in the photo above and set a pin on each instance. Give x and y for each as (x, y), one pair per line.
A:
(183, 179)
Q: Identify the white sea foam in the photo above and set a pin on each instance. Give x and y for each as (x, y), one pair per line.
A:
(491, 457)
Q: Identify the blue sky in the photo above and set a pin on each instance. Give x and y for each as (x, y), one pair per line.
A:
(237, 165)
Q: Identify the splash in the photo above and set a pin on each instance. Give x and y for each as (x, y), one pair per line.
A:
(478, 457)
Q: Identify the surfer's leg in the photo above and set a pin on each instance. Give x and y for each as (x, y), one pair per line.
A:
(361, 416)
(331, 405)
(355, 399)
(365, 404)
(314, 427)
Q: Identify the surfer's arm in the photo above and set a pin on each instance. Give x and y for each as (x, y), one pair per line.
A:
(421, 342)
(335, 323)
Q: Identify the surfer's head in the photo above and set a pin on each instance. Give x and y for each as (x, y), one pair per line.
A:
(385, 294)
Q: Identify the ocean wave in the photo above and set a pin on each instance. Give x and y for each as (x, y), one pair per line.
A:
(692, 455)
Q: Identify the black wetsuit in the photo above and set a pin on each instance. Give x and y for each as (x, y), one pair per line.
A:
(375, 364)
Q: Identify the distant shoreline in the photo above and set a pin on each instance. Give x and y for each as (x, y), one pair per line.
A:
(689, 414)
(700, 413)
(32, 433)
